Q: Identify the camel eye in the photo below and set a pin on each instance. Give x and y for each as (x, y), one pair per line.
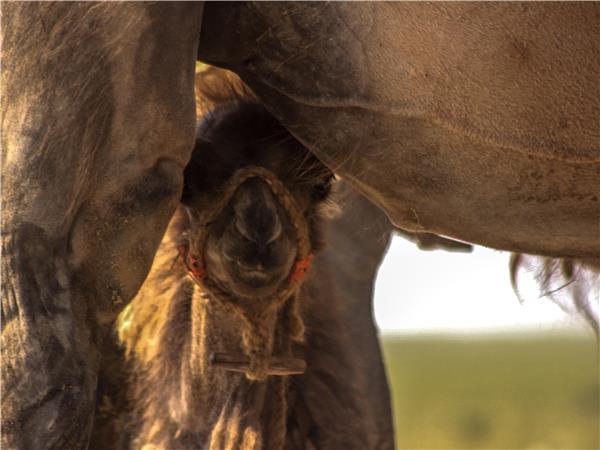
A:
(321, 190)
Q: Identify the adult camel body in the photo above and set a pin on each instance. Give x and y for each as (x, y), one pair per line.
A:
(473, 121)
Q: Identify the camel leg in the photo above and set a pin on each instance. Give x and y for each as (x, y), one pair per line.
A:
(97, 125)
(344, 392)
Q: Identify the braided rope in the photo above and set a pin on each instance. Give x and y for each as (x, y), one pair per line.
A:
(256, 337)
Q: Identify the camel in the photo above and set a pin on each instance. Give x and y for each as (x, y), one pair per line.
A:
(250, 252)
(476, 122)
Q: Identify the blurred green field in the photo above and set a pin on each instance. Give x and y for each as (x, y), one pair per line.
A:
(495, 392)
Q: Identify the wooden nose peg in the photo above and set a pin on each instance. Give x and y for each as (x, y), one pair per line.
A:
(278, 365)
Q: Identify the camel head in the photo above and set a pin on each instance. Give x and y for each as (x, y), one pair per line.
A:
(251, 246)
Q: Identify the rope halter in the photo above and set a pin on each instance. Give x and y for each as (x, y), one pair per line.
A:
(191, 251)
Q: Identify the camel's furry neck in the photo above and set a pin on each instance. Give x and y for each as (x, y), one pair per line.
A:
(200, 406)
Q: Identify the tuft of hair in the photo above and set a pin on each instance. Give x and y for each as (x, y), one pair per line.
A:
(215, 87)
(573, 284)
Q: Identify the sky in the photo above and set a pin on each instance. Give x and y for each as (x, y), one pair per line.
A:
(443, 292)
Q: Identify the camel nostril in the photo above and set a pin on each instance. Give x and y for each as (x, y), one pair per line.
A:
(241, 229)
(259, 233)
(275, 232)
(257, 213)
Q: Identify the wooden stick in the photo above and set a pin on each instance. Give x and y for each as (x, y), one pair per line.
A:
(278, 365)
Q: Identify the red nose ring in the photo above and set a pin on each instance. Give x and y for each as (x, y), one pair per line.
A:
(301, 268)
(194, 266)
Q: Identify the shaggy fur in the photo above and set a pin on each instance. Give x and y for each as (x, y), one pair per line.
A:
(573, 284)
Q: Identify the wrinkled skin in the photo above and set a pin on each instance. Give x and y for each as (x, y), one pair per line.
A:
(92, 161)
(474, 121)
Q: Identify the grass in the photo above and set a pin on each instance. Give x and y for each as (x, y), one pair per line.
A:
(520, 392)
